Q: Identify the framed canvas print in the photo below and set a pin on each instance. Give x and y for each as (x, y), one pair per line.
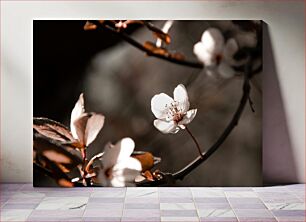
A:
(147, 103)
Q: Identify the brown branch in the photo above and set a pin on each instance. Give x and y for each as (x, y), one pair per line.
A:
(127, 38)
(179, 175)
(232, 124)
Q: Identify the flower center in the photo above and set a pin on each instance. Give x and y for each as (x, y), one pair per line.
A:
(218, 58)
(174, 113)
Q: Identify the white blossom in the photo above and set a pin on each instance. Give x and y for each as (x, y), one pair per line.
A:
(216, 54)
(172, 114)
(119, 169)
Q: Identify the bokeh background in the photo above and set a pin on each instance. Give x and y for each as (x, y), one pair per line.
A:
(119, 81)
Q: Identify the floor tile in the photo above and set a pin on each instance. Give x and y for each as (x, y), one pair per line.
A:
(105, 200)
(102, 213)
(216, 213)
(110, 192)
(224, 205)
(210, 200)
(15, 214)
(133, 192)
(141, 213)
(141, 219)
(206, 192)
(54, 219)
(142, 200)
(62, 203)
(177, 206)
(141, 206)
(240, 194)
(178, 219)
(57, 213)
(285, 206)
(101, 219)
(20, 206)
(255, 213)
(178, 213)
(22, 202)
(176, 200)
(289, 213)
(99, 205)
(175, 192)
(218, 219)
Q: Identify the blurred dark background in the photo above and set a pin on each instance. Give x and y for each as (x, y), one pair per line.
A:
(119, 81)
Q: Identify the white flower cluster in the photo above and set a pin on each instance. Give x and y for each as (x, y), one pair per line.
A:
(217, 54)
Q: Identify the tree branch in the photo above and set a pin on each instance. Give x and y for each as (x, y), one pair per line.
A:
(179, 175)
(232, 124)
(127, 38)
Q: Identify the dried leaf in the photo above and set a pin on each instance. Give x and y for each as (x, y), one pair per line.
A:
(163, 36)
(148, 175)
(52, 170)
(56, 156)
(89, 26)
(147, 160)
(155, 50)
(54, 151)
(65, 183)
(52, 129)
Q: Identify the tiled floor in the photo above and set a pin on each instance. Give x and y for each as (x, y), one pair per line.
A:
(22, 202)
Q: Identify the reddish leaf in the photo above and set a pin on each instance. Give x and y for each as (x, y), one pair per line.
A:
(55, 151)
(89, 26)
(147, 160)
(52, 129)
(163, 36)
(155, 50)
(148, 175)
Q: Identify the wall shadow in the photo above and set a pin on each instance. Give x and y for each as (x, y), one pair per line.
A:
(278, 160)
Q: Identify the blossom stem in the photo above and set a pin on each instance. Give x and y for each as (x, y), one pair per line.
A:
(84, 165)
(195, 141)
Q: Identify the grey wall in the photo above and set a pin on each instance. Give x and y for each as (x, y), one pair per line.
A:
(283, 79)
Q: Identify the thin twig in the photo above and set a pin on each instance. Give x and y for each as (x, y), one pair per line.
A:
(234, 121)
(127, 38)
(195, 141)
(179, 175)
(84, 156)
(138, 45)
(99, 155)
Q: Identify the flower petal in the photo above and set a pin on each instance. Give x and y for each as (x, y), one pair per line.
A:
(93, 127)
(114, 154)
(77, 111)
(180, 95)
(166, 126)
(117, 181)
(230, 48)
(129, 169)
(225, 70)
(188, 118)
(213, 41)
(160, 104)
(207, 58)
